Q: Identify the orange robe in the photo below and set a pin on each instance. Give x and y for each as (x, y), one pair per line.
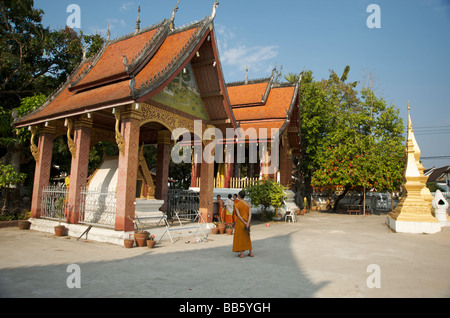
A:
(241, 241)
(222, 214)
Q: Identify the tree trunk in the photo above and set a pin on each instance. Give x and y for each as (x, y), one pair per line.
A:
(340, 197)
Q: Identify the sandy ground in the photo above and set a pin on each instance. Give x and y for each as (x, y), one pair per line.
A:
(322, 255)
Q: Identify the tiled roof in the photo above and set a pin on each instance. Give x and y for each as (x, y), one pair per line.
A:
(247, 94)
(153, 56)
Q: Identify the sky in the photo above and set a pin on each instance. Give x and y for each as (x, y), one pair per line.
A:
(403, 45)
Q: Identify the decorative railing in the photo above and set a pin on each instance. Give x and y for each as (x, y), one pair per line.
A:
(235, 183)
(97, 207)
(182, 204)
(54, 202)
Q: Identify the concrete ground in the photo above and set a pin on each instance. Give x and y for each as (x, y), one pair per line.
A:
(323, 255)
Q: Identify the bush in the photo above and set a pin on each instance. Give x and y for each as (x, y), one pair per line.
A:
(265, 194)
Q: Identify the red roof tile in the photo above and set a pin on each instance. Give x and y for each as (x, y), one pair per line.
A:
(246, 94)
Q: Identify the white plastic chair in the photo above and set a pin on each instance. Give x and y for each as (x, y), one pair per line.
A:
(291, 215)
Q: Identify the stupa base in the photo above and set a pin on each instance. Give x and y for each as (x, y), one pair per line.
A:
(412, 226)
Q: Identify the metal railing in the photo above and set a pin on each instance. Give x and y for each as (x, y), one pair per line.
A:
(97, 207)
(54, 202)
(183, 204)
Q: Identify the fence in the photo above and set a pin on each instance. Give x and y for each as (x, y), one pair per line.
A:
(54, 202)
(98, 207)
(235, 183)
(182, 204)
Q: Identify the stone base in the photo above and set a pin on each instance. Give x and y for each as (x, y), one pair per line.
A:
(413, 227)
(109, 235)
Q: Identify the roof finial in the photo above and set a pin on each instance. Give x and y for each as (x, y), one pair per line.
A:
(138, 21)
(108, 33)
(214, 10)
(246, 75)
(172, 18)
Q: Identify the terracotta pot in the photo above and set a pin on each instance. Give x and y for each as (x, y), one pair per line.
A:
(141, 238)
(215, 231)
(221, 230)
(151, 243)
(128, 243)
(24, 224)
(60, 230)
(229, 231)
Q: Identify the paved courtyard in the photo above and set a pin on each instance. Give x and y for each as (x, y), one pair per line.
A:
(323, 255)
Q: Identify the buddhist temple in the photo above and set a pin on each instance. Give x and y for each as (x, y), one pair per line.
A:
(138, 90)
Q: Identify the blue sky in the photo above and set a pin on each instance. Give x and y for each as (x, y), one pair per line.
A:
(409, 56)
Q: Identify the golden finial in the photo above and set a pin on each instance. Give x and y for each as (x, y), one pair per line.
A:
(138, 21)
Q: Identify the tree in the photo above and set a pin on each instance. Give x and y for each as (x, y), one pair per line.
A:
(34, 61)
(351, 140)
(365, 148)
(265, 194)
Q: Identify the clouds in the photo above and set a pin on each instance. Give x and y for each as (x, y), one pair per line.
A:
(236, 55)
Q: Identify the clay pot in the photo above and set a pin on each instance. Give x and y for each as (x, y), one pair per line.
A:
(60, 230)
(221, 230)
(128, 243)
(215, 231)
(229, 231)
(141, 238)
(151, 243)
(24, 225)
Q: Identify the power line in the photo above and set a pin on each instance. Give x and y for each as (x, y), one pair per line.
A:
(436, 157)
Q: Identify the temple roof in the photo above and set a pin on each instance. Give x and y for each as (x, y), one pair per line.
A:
(263, 104)
(138, 66)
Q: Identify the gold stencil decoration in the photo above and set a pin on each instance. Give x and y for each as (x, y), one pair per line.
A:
(34, 149)
(119, 138)
(70, 142)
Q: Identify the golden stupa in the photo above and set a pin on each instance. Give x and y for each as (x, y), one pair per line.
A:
(414, 213)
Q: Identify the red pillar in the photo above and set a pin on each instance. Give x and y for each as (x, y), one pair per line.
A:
(207, 188)
(195, 172)
(228, 165)
(127, 171)
(42, 170)
(284, 173)
(162, 164)
(79, 167)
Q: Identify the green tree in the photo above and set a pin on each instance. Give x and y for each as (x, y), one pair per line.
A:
(265, 194)
(365, 148)
(34, 61)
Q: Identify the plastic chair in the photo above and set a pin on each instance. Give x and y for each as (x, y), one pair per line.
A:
(291, 215)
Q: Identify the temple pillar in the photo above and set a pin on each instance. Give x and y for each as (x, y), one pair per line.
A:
(162, 166)
(42, 170)
(127, 169)
(195, 170)
(207, 188)
(284, 180)
(79, 167)
(228, 165)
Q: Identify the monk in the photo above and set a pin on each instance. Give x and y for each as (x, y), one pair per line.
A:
(229, 210)
(242, 242)
(221, 205)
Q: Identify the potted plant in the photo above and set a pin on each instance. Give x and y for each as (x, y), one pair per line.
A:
(60, 230)
(24, 224)
(140, 236)
(229, 229)
(128, 242)
(151, 241)
(215, 230)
